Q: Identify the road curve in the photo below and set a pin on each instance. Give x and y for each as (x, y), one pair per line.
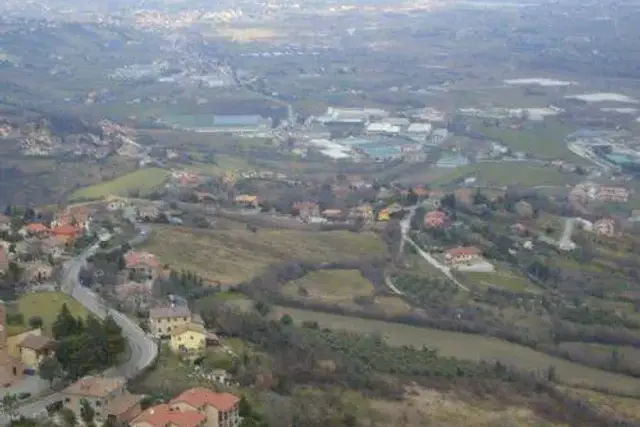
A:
(143, 349)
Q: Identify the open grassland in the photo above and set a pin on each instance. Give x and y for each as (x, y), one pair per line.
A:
(467, 346)
(143, 181)
(330, 286)
(508, 173)
(46, 305)
(501, 278)
(235, 254)
(223, 164)
(615, 405)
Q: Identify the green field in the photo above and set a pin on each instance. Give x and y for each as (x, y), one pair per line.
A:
(468, 346)
(547, 143)
(330, 286)
(508, 173)
(47, 305)
(143, 181)
(235, 254)
(499, 279)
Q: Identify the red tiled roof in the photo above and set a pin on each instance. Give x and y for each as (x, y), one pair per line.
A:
(133, 258)
(65, 230)
(199, 397)
(462, 251)
(163, 415)
(36, 227)
(436, 214)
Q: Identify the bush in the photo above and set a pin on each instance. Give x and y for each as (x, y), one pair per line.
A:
(15, 319)
(35, 322)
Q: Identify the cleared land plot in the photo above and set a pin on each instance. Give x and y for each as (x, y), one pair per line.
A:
(330, 286)
(468, 346)
(508, 173)
(142, 181)
(234, 255)
(46, 305)
(503, 279)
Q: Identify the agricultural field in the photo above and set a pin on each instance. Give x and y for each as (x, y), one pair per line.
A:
(47, 305)
(501, 278)
(235, 254)
(467, 346)
(142, 181)
(508, 173)
(545, 142)
(330, 286)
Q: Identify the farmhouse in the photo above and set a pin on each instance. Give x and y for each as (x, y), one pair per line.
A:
(462, 255)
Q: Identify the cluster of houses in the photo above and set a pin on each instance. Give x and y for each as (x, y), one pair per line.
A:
(114, 404)
(589, 191)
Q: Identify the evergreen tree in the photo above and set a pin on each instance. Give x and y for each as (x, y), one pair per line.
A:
(115, 342)
(87, 413)
(50, 370)
(65, 324)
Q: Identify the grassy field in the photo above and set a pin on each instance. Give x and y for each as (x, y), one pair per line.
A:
(468, 346)
(546, 142)
(233, 255)
(142, 180)
(615, 405)
(629, 356)
(499, 279)
(330, 286)
(47, 305)
(223, 163)
(508, 173)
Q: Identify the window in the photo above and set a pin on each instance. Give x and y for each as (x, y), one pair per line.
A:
(98, 403)
(67, 400)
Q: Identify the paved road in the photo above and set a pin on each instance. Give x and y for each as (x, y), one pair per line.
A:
(143, 349)
(405, 227)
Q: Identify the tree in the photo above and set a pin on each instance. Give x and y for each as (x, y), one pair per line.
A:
(286, 319)
(50, 370)
(68, 418)
(115, 342)
(65, 324)
(262, 307)
(9, 405)
(35, 322)
(551, 373)
(87, 413)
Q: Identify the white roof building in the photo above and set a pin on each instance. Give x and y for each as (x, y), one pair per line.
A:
(382, 127)
(420, 128)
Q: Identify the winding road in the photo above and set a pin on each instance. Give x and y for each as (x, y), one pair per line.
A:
(143, 349)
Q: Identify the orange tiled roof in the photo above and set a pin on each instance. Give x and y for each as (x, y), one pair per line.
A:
(65, 230)
(163, 415)
(469, 250)
(133, 259)
(199, 397)
(36, 227)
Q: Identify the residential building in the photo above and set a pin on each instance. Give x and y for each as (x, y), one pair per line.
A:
(364, 211)
(332, 214)
(605, 227)
(34, 348)
(191, 339)
(613, 194)
(5, 222)
(67, 232)
(220, 409)
(123, 409)
(162, 320)
(384, 215)
(141, 266)
(148, 212)
(99, 392)
(165, 416)
(462, 255)
(307, 210)
(421, 191)
(4, 260)
(37, 230)
(247, 200)
(436, 219)
(10, 367)
(77, 216)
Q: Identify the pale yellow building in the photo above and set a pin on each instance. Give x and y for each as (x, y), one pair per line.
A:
(162, 320)
(191, 339)
(34, 349)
